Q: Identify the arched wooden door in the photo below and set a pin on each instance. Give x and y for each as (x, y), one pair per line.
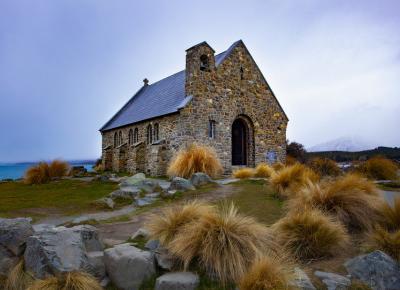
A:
(239, 142)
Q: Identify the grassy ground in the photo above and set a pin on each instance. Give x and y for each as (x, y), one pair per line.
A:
(64, 197)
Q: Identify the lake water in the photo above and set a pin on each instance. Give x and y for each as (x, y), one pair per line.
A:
(17, 170)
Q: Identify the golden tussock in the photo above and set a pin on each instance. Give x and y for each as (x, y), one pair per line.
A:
(243, 173)
(324, 166)
(263, 170)
(391, 215)
(58, 168)
(384, 240)
(17, 278)
(379, 168)
(68, 281)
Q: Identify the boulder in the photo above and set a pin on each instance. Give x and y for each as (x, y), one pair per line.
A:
(200, 178)
(152, 245)
(7, 261)
(126, 193)
(55, 251)
(301, 280)
(128, 266)
(14, 233)
(105, 202)
(164, 259)
(177, 281)
(97, 267)
(181, 184)
(90, 237)
(133, 180)
(333, 281)
(377, 270)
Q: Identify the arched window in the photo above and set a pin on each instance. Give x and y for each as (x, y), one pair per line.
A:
(120, 138)
(241, 73)
(115, 139)
(149, 134)
(155, 133)
(204, 63)
(136, 136)
(211, 129)
(130, 137)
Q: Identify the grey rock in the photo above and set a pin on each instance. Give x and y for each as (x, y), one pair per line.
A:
(181, 184)
(133, 180)
(128, 266)
(152, 245)
(200, 178)
(164, 259)
(55, 251)
(125, 193)
(145, 200)
(378, 270)
(140, 233)
(14, 233)
(333, 281)
(301, 280)
(97, 267)
(104, 283)
(106, 202)
(177, 281)
(7, 261)
(90, 237)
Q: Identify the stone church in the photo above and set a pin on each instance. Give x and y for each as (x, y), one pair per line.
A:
(221, 100)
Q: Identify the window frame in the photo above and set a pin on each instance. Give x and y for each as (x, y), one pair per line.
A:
(212, 124)
(149, 134)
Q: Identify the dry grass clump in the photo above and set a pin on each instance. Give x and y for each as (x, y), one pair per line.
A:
(311, 235)
(165, 225)
(267, 273)
(223, 242)
(351, 199)
(195, 158)
(278, 166)
(58, 168)
(243, 173)
(69, 281)
(290, 179)
(391, 215)
(17, 278)
(290, 160)
(263, 170)
(386, 241)
(37, 174)
(379, 168)
(324, 166)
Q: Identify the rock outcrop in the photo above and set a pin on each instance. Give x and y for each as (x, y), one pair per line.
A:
(14, 234)
(181, 184)
(177, 281)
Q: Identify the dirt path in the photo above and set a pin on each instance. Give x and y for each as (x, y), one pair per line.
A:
(114, 233)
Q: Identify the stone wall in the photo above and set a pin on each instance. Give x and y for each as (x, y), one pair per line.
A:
(234, 89)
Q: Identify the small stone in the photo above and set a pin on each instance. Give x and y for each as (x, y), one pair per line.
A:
(90, 237)
(177, 281)
(14, 234)
(181, 184)
(140, 233)
(152, 245)
(333, 281)
(200, 178)
(301, 280)
(105, 202)
(164, 259)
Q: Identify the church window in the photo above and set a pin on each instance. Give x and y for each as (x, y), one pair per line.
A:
(130, 137)
(156, 132)
(115, 139)
(241, 73)
(149, 134)
(204, 63)
(211, 129)
(136, 136)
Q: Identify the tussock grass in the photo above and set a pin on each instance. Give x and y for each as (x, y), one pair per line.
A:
(391, 215)
(58, 168)
(379, 168)
(223, 242)
(278, 166)
(165, 225)
(263, 170)
(37, 174)
(290, 179)
(17, 278)
(311, 235)
(243, 173)
(267, 273)
(350, 199)
(195, 158)
(69, 281)
(290, 160)
(324, 166)
(384, 240)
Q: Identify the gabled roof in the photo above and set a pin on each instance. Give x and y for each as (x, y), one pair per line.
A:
(161, 98)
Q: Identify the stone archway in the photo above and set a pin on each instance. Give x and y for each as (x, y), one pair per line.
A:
(242, 141)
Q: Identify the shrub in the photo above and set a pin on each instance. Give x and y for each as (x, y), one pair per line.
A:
(278, 166)
(295, 150)
(291, 179)
(195, 158)
(391, 215)
(351, 199)
(263, 170)
(58, 168)
(290, 160)
(68, 281)
(17, 278)
(311, 235)
(324, 166)
(37, 174)
(243, 173)
(388, 242)
(379, 168)
(266, 273)
(223, 242)
(165, 225)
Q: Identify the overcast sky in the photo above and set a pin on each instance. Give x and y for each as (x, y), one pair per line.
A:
(67, 66)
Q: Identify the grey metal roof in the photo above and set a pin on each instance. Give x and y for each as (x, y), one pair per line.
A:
(164, 97)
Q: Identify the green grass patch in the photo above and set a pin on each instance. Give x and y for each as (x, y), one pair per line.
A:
(64, 196)
(256, 198)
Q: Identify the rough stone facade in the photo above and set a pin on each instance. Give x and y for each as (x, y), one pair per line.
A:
(233, 90)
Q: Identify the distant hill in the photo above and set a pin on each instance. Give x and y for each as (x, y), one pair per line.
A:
(348, 144)
(341, 156)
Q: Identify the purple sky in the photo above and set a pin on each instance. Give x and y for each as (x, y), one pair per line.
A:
(67, 66)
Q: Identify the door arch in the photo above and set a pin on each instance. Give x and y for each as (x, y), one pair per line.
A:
(242, 135)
